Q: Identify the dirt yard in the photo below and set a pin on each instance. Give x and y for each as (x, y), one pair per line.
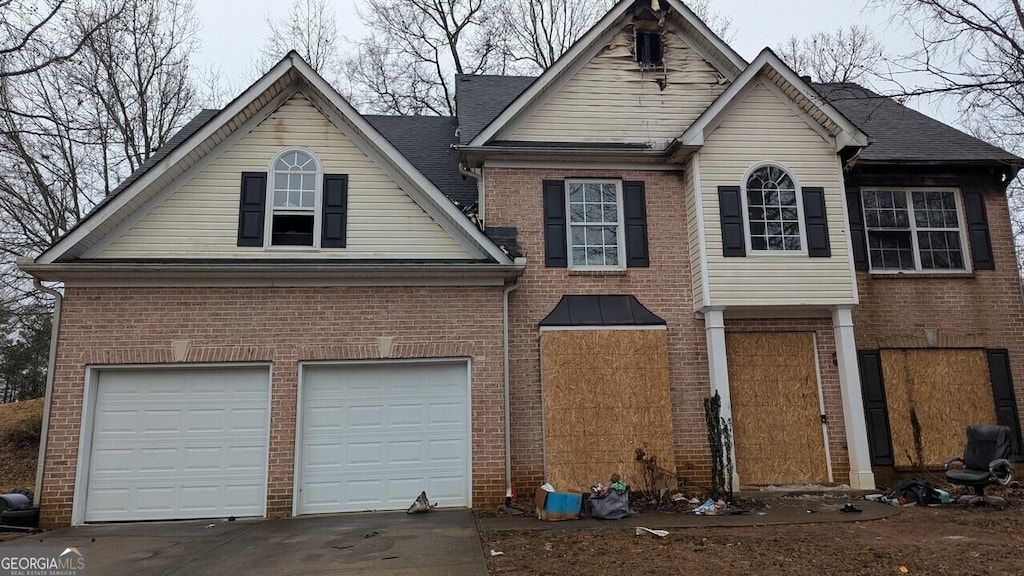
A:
(950, 540)
(19, 443)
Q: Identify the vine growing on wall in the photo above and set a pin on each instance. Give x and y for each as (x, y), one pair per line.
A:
(720, 444)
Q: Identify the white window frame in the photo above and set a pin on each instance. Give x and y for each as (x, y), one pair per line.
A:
(268, 224)
(799, 212)
(620, 234)
(961, 219)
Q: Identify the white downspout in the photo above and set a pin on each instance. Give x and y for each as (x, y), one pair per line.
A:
(58, 301)
(508, 409)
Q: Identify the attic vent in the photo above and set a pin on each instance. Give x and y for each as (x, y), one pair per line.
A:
(648, 49)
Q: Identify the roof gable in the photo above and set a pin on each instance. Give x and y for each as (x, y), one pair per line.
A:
(146, 189)
(769, 70)
(713, 48)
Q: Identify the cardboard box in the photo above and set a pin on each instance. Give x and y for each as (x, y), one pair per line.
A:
(555, 506)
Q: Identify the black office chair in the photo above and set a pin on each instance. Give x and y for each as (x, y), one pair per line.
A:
(984, 462)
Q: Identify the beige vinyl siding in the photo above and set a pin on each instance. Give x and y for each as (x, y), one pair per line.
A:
(762, 128)
(611, 100)
(693, 235)
(201, 218)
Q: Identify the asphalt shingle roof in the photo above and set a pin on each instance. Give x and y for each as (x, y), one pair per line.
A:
(426, 141)
(900, 134)
(479, 99)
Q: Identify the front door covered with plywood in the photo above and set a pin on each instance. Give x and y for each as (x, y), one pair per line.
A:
(776, 410)
(933, 395)
(606, 394)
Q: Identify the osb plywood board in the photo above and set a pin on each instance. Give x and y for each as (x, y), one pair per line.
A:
(945, 390)
(773, 386)
(606, 393)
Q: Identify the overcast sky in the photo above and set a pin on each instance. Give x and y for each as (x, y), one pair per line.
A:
(232, 31)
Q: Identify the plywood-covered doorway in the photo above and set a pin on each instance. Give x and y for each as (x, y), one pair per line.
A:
(776, 408)
(606, 394)
(933, 395)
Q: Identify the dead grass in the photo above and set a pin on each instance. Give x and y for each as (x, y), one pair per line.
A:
(20, 424)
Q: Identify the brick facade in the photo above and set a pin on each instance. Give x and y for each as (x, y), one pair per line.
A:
(283, 326)
(983, 309)
(513, 198)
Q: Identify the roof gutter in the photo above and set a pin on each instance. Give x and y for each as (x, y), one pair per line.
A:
(58, 302)
(236, 273)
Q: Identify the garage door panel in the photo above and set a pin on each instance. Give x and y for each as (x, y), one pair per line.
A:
(374, 437)
(178, 443)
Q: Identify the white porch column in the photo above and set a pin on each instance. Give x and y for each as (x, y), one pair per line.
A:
(861, 476)
(718, 370)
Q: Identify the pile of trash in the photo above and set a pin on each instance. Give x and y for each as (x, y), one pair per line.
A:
(712, 508)
(610, 502)
(910, 492)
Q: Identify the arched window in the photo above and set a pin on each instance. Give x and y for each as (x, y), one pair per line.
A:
(773, 210)
(293, 189)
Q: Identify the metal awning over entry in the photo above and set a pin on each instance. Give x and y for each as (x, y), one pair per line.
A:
(601, 310)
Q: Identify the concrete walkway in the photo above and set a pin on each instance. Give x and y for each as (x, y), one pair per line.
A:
(396, 544)
(811, 510)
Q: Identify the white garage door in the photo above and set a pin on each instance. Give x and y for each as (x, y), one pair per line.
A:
(178, 443)
(374, 436)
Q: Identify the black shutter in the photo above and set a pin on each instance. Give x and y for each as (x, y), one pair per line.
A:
(731, 213)
(816, 223)
(1006, 403)
(555, 252)
(977, 229)
(876, 412)
(335, 211)
(251, 208)
(730, 208)
(858, 235)
(634, 198)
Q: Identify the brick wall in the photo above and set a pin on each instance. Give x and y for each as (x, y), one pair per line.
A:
(984, 309)
(284, 326)
(513, 198)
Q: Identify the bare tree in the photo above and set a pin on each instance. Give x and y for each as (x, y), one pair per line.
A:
(971, 51)
(70, 131)
(718, 23)
(35, 34)
(310, 28)
(538, 32)
(848, 54)
(407, 63)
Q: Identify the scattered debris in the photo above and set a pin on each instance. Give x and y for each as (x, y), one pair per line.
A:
(211, 525)
(389, 557)
(497, 553)
(346, 547)
(904, 570)
(712, 508)
(849, 508)
(371, 534)
(421, 504)
(547, 487)
(640, 531)
(610, 502)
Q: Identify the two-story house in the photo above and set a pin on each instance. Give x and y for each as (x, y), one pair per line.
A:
(293, 308)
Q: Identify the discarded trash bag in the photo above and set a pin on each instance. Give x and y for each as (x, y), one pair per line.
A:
(915, 490)
(421, 504)
(613, 505)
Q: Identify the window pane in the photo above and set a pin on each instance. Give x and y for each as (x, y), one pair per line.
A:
(608, 193)
(292, 230)
(754, 197)
(595, 256)
(891, 250)
(575, 192)
(789, 214)
(307, 199)
(940, 250)
(791, 242)
(595, 236)
(579, 256)
(611, 256)
(758, 243)
(579, 234)
(611, 236)
(787, 198)
(592, 192)
(611, 213)
(280, 198)
(775, 243)
(594, 213)
(757, 228)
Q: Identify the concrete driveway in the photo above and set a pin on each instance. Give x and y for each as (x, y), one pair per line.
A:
(438, 543)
